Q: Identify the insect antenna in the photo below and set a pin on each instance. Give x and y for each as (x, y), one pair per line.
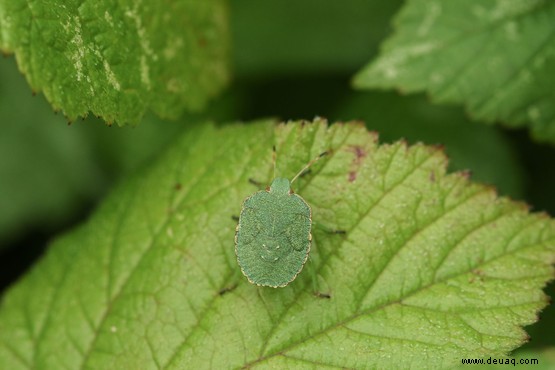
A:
(309, 164)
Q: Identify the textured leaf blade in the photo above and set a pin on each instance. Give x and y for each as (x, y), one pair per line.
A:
(495, 57)
(432, 266)
(117, 61)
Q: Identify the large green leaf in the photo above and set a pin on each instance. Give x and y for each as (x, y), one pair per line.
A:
(432, 268)
(496, 57)
(117, 60)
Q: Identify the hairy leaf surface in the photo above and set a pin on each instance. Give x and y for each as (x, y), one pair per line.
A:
(118, 59)
(495, 57)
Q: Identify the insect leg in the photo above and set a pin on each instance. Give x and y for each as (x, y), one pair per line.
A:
(254, 182)
(227, 289)
(327, 229)
(306, 172)
(315, 290)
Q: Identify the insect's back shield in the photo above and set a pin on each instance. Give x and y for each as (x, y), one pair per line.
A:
(273, 237)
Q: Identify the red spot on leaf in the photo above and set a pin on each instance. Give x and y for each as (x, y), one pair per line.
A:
(359, 154)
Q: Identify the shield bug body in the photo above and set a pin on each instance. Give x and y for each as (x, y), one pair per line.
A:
(272, 238)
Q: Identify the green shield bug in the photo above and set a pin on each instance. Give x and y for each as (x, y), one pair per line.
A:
(272, 238)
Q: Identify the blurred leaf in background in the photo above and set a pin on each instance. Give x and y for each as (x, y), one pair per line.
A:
(273, 38)
(495, 57)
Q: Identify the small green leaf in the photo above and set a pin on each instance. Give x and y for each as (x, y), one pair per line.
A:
(432, 268)
(495, 57)
(117, 60)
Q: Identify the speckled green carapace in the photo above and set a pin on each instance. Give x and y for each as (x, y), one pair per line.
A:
(273, 238)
